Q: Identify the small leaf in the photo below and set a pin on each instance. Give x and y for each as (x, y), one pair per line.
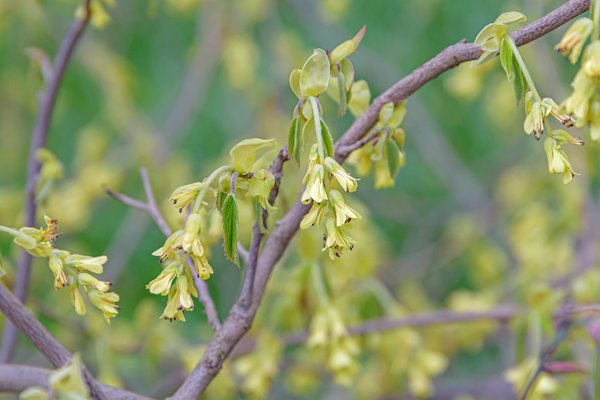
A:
(294, 138)
(393, 157)
(519, 84)
(258, 211)
(295, 82)
(327, 140)
(221, 196)
(360, 97)
(229, 211)
(510, 17)
(343, 98)
(314, 77)
(506, 59)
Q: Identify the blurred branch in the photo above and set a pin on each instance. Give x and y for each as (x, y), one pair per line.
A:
(240, 318)
(152, 208)
(427, 319)
(48, 345)
(39, 137)
(16, 378)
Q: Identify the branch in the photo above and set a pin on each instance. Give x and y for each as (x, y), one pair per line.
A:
(38, 140)
(16, 378)
(48, 345)
(426, 319)
(257, 236)
(152, 208)
(240, 319)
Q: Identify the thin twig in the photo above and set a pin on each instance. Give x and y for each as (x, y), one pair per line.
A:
(257, 235)
(244, 254)
(240, 319)
(128, 201)
(152, 206)
(38, 140)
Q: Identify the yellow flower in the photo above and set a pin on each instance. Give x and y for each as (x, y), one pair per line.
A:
(534, 122)
(57, 266)
(38, 242)
(342, 212)
(77, 300)
(92, 264)
(591, 65)
(203, 268)
(313, 217)
(260, 187)
(572, 42)
(347, 182)
(184, 195)
(105, 302)
(558, 162)
(86, 279)
(315, 185)
(162, 283)
(172, 244)
(578, 102)
(180, 297)
(191, 232)
(337, 240)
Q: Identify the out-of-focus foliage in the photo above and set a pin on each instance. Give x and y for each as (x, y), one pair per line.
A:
(474, 220)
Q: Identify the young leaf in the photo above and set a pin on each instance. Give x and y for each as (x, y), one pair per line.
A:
(229, 211)
(258, 210)
(393, 157)
(327, 139)
(294, 138)
(506, 59)
(221, 196)
(519, 84)
(342, 94)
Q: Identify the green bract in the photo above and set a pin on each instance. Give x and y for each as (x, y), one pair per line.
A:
(314, 76)
(490, 37)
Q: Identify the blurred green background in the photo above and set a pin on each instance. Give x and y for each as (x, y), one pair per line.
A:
(171, 85)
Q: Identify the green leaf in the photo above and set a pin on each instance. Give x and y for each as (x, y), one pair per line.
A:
(393, 157)
(294, 138)
(2, 271)
(258, 211)
(327, 140)
(245, 154)
(510, 17)
(343, 98)
(221, 196)
(519, 83)
(229, 212)
(506, 59)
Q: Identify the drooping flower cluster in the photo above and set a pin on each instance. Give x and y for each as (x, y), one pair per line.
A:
(385, 152)
(332, 72)
(495, 39)
(70, 270)
(244, 177)
(328, 332)
(584, 101)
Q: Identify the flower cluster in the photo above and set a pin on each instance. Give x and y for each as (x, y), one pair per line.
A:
(328, 332)
(332, 72)
(494, 39)
(70, 270)
(385, 152)
(584, 101)
(244, 177)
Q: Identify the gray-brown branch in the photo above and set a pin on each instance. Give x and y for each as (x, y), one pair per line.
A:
(240, 319)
